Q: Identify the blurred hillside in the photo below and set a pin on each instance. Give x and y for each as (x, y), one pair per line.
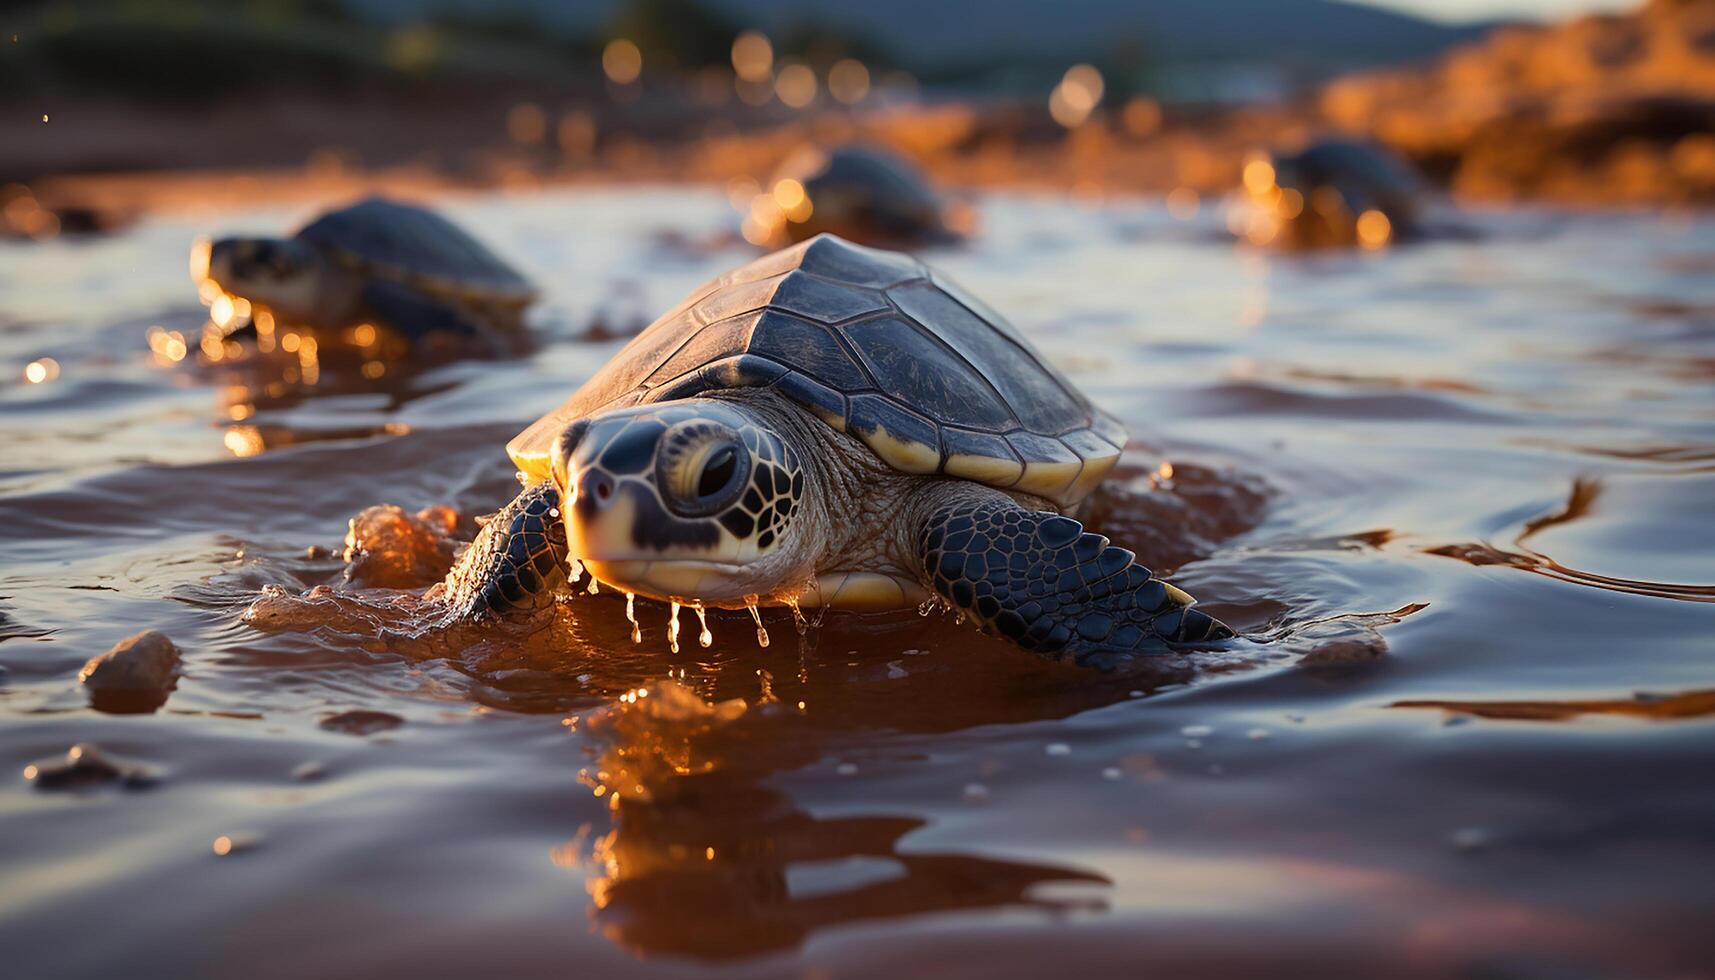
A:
(1087, 94)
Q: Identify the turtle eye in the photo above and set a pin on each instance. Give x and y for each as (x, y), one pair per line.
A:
(718, 471)
(701, 468)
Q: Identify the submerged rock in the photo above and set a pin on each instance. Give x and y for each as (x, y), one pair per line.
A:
(361, 722)
(135, 676)
(86, 766)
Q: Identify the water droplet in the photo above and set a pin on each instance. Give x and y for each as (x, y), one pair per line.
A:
(1197, 731)
(1112, 773)
(592, 588)
(846, 768)
(631, 615)
(574, 571)
(1058, 748)
(705, 638)
(798, 619)
(750, 602)
(673, 626)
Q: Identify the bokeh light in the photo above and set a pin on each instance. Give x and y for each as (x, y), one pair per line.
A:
(41, 370)
(848, 81)
(1374, 229)
(622, 61)
(527, 124)
(753, 57)
(1079, 92)
(796, 85)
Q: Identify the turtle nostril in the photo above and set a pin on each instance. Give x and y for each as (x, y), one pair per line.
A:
(595, 486)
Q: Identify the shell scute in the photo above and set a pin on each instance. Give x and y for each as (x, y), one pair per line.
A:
(809, 348)
(905, 360)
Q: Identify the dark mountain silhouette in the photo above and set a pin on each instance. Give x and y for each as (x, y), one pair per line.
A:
(925, 34)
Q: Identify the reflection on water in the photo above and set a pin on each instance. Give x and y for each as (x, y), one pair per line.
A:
(705, 860)
(1313, 438)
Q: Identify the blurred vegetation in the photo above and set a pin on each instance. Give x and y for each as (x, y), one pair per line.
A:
(675, 33)
(197, 50)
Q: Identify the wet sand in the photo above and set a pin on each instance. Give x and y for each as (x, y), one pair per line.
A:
(1457, 496)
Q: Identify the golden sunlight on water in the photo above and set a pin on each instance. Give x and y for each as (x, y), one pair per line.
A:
(1455, 498)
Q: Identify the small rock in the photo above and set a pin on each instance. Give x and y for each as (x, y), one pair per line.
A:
(86, 766)
(361, 722)
(135, 677)
(1345, 652)
(1058, 748)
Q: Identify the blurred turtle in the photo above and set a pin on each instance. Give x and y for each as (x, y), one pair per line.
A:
(861, 193)
(396, 266)
(1335, 192)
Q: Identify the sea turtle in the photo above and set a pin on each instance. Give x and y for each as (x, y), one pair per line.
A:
(839, 426)
(1337, 192)
(863, 193)
(379, 262)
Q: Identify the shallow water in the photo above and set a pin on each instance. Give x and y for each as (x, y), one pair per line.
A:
(1460, 496)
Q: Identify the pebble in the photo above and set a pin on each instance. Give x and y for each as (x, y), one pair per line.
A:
(361, 722)
(1058, 748)
(133, 677)
(85, 765)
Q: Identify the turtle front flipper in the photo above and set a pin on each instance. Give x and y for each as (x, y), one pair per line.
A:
(517, 562)
(1040, 580)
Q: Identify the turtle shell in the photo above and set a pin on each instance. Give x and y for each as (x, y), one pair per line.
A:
(1367, 175)
(863, 192)
(876, 345)
(405, 243)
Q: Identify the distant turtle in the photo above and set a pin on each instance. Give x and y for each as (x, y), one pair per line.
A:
(862, 193)
(380, 262)
(1321, 195)
(839, 426)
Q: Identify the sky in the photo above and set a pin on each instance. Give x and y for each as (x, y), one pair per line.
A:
(1458, 10)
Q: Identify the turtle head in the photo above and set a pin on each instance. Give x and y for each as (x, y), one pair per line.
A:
(698, 500)
(285, 276)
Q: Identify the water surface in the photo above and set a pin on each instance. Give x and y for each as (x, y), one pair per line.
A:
(1461, 497)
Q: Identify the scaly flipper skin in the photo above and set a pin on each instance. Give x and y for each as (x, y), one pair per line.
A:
(518, 560)
(1040, 580)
